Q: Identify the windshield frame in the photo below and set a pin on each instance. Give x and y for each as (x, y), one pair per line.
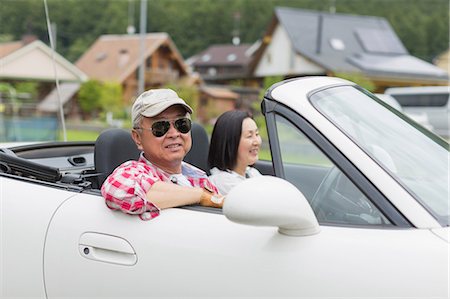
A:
(313, 98)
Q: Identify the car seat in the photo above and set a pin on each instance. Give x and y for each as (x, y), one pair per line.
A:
(115, 146)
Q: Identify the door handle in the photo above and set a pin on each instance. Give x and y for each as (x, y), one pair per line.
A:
(107, 248)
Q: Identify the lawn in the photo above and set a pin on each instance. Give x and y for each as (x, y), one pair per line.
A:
(78, 135)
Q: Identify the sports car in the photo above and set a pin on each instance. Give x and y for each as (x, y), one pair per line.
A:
(354, 203)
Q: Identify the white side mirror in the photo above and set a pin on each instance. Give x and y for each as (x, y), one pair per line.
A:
(271, 201)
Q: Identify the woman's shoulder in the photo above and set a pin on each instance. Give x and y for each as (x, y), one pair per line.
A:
(252, 172)
(216, 172)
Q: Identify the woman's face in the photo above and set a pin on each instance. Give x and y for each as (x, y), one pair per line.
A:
(249, 144)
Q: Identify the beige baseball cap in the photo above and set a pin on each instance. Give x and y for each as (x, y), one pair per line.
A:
(154, 101)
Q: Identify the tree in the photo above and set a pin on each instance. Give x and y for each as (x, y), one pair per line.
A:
(89, 97)
(111, 99)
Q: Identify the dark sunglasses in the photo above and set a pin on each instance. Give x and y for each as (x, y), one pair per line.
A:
(161, 127)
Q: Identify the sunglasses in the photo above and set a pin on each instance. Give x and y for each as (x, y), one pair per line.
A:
(161, 127)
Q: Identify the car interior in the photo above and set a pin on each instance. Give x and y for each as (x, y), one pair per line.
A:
(83, 166)
(87, 164)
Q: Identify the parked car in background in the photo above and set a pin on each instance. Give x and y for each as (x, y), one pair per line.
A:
(430, 101)
(421, 118)
(353, 204)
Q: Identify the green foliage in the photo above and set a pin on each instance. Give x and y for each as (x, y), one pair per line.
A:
(422, 25)
(189, 94)
(30, 88)
(89, 96)
(111, 98)
(95, 96)
(359, 79)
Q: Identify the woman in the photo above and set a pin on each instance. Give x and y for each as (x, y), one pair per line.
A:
(235, 144)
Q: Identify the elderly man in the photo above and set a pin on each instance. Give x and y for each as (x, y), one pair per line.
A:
(159, 179)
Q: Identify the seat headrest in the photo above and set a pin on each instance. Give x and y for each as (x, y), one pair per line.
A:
(115, 146)
(112, 148)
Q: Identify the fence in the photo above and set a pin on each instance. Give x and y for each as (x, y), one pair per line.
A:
(19, 128)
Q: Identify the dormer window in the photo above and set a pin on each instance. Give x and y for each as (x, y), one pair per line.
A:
(231, 57)
(124, 57)
(337, 44)
(206, 57)
(100, 56)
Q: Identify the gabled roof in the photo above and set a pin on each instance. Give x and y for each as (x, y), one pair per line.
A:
(9, 47)
(351, 43)
(115, 57)
(51, 102)
(219, 92)
(224, 55)
(34, 61)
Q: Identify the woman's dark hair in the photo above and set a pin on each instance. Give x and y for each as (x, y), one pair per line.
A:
(225, 139)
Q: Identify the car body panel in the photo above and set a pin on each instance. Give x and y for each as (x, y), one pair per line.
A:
(26, 210)
(188, 252)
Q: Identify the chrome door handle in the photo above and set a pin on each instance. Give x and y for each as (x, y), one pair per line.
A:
(107, 248)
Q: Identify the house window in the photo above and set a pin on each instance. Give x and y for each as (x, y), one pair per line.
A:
(212, 71)
(231, 57)
(100, 56)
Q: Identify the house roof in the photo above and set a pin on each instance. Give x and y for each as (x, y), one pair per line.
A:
(9, 47)
(223, 55)
(115, 57)
(19, 60)
(442, 61)
(51, 103)
(219, 92)
(352, 43)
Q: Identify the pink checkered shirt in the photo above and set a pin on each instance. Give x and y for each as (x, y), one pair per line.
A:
(125, 189)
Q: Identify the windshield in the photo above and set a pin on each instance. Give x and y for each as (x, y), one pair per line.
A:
(417, 159)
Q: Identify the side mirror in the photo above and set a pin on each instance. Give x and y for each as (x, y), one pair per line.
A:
(271, 201)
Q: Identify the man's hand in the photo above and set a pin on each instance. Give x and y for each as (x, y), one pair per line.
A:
(210, 199)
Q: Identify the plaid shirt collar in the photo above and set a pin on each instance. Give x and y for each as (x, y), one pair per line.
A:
(187, 169)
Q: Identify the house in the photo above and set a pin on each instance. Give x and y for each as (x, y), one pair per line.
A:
(31, 60)
(117, 58)
(215, 100)
(222, 64)
(302, 42)
(220, 68)
(442, 61)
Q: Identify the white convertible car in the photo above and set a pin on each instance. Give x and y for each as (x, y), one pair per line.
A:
(355, 203)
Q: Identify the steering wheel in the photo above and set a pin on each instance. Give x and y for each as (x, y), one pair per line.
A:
(337, 199)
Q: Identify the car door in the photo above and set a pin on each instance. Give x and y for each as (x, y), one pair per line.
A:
(94, 252)
(26, 208)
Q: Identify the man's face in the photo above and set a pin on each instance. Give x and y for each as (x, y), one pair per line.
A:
(166, 151)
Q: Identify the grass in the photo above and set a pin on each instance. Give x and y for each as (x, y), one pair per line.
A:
(78, 135)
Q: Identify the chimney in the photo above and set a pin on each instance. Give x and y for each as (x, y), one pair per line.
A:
(28, 38)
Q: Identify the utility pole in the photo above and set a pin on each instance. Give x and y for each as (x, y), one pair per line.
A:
(143, 26)
(236, 32)
(130, 28)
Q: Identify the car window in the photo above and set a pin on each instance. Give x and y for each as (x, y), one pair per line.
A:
(333, 197)
(415, 158)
